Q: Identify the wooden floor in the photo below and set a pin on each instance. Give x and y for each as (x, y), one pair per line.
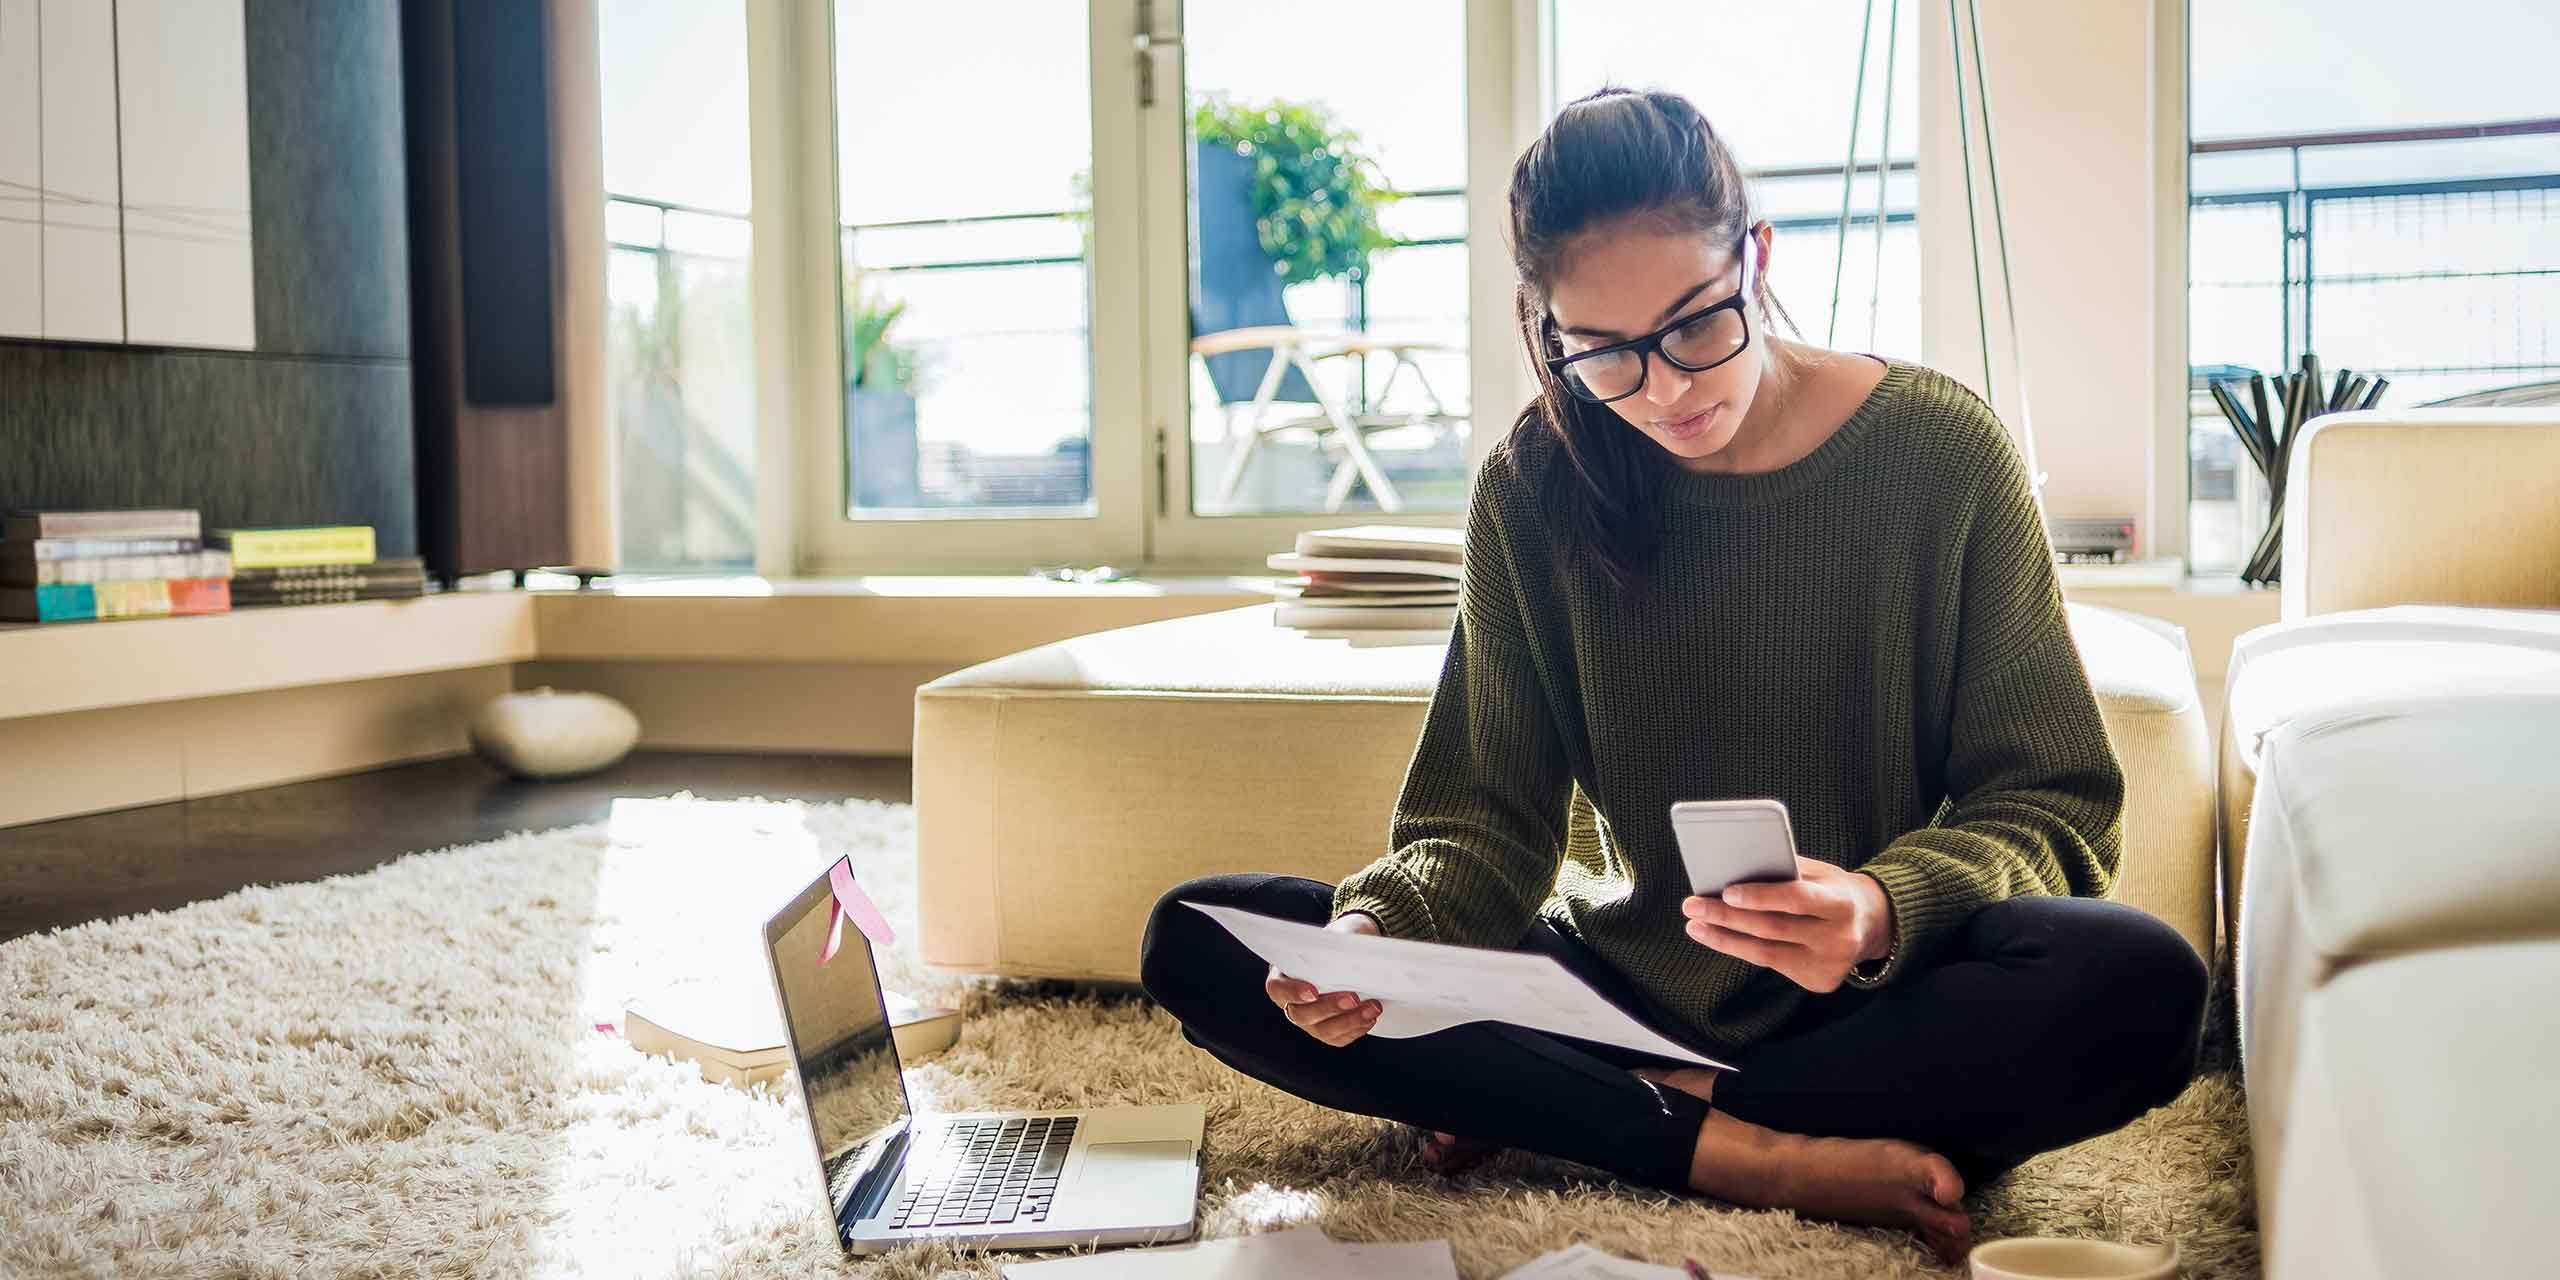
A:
(78, 869)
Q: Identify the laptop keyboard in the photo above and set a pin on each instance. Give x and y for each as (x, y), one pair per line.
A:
(986, 1172)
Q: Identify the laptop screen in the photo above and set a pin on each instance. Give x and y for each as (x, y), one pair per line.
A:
(837, 1024)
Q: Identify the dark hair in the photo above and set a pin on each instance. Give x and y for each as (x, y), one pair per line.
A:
(1614, 155)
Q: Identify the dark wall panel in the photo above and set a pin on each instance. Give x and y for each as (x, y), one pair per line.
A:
(502, 161)
(315, 426)
(250, 440)
(328, 192)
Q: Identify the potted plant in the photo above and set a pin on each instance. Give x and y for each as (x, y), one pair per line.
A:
(879, 402)
(1282, 194)
(1315, 192)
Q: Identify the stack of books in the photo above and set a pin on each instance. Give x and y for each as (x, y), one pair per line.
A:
(315, 566)
(72, 566)
(1373, 584)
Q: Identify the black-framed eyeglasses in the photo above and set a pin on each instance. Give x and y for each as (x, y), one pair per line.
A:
(1693, 343)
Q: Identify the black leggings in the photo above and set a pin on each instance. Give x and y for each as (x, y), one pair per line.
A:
(2045, 1021)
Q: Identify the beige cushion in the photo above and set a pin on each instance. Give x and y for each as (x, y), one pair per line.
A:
(2423, 506)
(1060, 791)
(2385, 831)
(2424, 1129)
(2144, 678)
(2315, 666)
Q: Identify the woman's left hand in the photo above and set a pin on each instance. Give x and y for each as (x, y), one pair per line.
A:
(1813, 929)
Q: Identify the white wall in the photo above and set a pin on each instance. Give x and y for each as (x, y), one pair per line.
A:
(2078, 120)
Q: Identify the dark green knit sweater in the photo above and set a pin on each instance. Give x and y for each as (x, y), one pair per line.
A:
(1873, 634)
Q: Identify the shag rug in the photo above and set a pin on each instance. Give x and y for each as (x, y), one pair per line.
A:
(398, 1074)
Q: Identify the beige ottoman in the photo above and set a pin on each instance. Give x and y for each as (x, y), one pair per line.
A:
(1060, 791)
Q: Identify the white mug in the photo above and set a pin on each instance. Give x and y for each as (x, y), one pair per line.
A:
(2056, 1258)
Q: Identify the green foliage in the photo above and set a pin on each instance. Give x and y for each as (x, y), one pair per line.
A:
(872, 361)
(1316, 194)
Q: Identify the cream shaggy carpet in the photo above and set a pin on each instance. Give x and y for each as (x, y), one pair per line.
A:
(396, 1073)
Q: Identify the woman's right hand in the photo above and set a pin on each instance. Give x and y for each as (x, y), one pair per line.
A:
(1335, 1017)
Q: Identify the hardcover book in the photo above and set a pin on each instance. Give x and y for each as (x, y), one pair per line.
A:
(733, 1033)
(395, 568)
(281, 548)
(1397, 617)
(16, 572)
(1403, 542)
(36, 526)
(67, 602)
(13, 552)
(82, 601)
(1288, 562)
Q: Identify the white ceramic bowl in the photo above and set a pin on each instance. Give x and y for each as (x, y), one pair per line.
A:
(2056, 1258)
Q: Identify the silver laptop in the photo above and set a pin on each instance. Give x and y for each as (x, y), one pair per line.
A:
(1013, 1180)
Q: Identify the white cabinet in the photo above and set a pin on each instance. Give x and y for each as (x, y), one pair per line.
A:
(83, 244)
(21, 171)
(124, 172)
(183, 95)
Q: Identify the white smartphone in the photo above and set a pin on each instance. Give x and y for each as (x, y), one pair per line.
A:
(1726, 842)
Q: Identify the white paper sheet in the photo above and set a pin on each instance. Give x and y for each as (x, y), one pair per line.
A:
(1582, 1262)
(1273, 1255)
(1422, 987)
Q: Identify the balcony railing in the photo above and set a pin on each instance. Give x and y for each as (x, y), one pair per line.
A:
(2427, 256)
(681, 378)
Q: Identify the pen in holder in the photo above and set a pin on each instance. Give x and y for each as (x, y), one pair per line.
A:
(2268, 436)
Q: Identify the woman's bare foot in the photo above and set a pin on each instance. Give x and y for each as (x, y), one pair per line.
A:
(1449, 1155)
(1877, 1181)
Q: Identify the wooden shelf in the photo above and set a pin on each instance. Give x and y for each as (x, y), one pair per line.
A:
(949, 620)
(46, 670)
(954, 621)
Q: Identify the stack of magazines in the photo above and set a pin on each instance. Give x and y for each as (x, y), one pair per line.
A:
(1373, 584)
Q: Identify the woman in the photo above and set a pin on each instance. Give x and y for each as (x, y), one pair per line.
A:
(1709, 563)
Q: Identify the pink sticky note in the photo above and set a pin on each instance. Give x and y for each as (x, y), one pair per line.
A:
(850, 900)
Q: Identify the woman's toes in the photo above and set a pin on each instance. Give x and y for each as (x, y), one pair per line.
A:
(1447, 1153)
(1940, 1181)
(1955, 1237)
(1948, 1235)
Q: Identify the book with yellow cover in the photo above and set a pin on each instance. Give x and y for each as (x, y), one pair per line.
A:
(286, 548)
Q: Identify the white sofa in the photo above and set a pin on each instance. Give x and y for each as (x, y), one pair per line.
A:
(2391, 836)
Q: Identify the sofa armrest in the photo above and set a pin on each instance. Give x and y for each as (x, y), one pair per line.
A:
(2423, 506)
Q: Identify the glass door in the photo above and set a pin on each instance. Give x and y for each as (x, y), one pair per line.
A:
(1304, 179)
(986, 419)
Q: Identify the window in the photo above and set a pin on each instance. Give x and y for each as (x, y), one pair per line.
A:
(680, 358)
(1078, 318)
(968, 343)
(2390, 205)
(1326, 149)
(1160, 282)
(1779, 83)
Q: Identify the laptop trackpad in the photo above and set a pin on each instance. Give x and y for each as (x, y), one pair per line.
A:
(1139, 1172)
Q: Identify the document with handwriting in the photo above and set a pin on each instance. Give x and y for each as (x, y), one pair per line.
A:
(1422, 987)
